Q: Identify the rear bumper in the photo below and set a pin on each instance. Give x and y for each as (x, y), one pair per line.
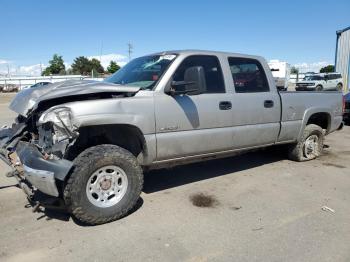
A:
(346, 115)
(305, 88)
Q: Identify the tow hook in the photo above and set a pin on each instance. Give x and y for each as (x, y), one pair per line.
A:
(21, 182)
(36, 200)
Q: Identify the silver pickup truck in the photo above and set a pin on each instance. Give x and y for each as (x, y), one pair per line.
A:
(88, 143)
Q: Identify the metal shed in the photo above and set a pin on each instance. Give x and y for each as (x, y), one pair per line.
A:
(342, 56)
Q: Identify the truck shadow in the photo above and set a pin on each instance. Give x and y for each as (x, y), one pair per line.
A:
(162, 179)
(60, 213)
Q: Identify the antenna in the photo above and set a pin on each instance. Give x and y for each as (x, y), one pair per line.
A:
(130, 50)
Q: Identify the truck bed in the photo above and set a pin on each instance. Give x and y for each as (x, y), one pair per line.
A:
(299, 106)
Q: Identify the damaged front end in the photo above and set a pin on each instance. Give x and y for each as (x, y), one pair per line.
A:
(35, 147)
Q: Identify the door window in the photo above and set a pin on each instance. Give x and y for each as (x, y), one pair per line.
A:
(212, 70)
(248, 75)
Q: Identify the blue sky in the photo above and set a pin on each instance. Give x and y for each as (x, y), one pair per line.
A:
(294, 31)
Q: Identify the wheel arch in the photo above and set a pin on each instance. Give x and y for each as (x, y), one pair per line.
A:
(127, 136)
(317, 116)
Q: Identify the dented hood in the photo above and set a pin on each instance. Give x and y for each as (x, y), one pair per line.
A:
(28, 99)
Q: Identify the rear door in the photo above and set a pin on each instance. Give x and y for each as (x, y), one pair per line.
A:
(331, 82)
(188, 125)
(256, 107)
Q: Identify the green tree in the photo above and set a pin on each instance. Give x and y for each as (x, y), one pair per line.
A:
(56, 66)
(113, 67)
(294, 70)
(81, 65)
(327, 69)
(96, 66)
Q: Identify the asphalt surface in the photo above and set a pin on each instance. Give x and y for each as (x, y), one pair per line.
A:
(261, 207)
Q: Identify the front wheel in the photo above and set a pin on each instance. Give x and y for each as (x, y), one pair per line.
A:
(105, 184)
(310, 145)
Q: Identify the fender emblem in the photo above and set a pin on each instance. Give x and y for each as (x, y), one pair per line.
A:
(169, 128)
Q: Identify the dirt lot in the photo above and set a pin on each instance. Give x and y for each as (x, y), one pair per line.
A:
(255, 207)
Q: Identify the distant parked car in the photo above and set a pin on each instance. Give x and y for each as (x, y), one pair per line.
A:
(36, 85)
(10, 88)
(346, 115)
(320, 82)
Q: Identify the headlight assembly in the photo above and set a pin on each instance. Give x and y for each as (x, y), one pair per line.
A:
(61, 117)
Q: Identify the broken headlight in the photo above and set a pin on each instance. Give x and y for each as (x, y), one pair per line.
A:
(56, 129)
(60, 117)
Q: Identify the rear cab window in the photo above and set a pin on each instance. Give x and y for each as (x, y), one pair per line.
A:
(248, 75)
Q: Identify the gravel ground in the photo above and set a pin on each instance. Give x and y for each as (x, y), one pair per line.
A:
(255, 207)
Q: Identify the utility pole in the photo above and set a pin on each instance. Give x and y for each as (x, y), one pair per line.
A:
(41, 69)
(8, 70)
(130, 50)
(101, 50)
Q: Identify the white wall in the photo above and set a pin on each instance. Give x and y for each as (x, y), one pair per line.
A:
(31, 80)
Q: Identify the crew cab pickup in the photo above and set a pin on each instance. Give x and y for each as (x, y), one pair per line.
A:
(88, 143)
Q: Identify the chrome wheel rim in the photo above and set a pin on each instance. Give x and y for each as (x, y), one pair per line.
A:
(311, 147)
(107, 186)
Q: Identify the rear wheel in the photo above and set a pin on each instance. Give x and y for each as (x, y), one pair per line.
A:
(105, 184)
(319, 88)
(310, 145)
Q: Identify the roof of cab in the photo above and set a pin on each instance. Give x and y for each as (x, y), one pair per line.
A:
(207, 52)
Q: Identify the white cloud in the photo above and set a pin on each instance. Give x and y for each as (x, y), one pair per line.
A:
(312, 67)
(106, 59)
(35, 69)
(30, 70)
(3, 61)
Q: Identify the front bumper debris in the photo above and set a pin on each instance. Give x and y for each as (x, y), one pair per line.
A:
(42, 173)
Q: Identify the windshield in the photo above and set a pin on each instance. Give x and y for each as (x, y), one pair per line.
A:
(313, 78)
(142, 72)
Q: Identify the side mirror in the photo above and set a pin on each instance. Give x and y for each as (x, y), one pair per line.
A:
(193, 84)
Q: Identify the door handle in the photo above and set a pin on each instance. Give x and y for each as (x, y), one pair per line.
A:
(268, 103)
(225, 105)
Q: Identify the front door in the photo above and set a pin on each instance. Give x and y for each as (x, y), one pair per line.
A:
(188, 125)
